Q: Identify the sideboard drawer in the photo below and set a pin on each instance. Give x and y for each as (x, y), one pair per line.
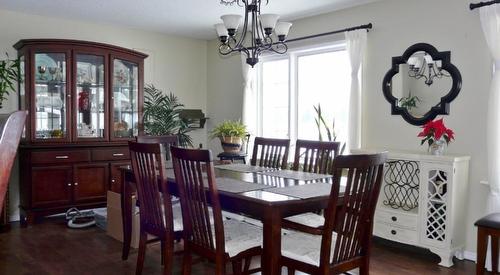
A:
(110, 154)
(394, 233)
(48, 157)
(407, 220)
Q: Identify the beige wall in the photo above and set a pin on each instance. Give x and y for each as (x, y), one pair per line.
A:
(446, 24)
(175, 64)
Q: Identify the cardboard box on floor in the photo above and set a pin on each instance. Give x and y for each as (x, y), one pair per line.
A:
(115, 225)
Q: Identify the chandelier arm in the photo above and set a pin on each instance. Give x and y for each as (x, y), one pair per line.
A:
(244, 30)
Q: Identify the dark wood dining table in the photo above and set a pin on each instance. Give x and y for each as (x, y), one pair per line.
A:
(268, 207)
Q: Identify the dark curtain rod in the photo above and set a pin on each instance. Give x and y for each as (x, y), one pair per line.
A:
(366, 26)
(474, 6)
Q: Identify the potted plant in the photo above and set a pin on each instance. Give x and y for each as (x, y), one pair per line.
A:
(162, 115)
(9, 75)
(436, 135)
(231, 134)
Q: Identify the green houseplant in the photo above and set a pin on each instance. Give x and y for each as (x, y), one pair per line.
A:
(9, 76)
(230, 133)
(162, 115)
(330, 132)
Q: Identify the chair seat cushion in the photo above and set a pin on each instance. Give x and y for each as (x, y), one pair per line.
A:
(490, 221)
(232, 155)
(240, 236)
(176, 210)
(304, 247)
(309, 219)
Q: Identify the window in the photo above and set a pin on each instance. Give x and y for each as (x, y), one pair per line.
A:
(290, 86)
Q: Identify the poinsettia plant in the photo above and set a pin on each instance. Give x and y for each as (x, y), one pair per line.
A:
(434, 131)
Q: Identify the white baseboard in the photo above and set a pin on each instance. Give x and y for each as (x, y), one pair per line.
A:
(471, 256)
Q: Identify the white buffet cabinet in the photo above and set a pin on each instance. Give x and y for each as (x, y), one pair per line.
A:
(423, 202)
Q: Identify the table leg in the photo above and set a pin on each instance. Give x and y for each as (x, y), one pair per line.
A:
(272, 242)
(126, 201)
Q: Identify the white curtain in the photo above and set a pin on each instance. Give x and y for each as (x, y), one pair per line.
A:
(490, 22)
(249, 110)
(356, 47)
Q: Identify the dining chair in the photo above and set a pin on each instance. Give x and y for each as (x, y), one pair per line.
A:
(226, 240)
(343, 242)
(166, 141)
(270, 152)
(158, 217)
(9, 141)
(317, 156)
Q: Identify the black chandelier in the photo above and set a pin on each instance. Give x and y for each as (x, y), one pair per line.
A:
(259, 27)
(425, 67)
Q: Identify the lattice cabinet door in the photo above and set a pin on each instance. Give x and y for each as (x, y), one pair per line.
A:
(436, 211)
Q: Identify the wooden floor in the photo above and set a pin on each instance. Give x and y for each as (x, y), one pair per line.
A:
(51, 248)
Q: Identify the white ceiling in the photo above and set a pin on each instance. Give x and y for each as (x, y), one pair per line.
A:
(191, 18)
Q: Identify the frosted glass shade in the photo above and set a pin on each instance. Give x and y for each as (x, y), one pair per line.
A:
(221, 30)
(282, 28)
(269, 20)
(428, 59)
(231, 21)
(412, 61)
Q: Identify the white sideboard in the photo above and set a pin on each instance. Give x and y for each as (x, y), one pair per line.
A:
(423, 202)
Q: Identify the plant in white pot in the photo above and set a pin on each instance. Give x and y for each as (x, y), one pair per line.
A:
(231, 134)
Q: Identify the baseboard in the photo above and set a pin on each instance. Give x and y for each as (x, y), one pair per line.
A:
(14, 218)
(469, 255)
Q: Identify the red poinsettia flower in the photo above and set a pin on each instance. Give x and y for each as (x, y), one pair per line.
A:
(435, 130)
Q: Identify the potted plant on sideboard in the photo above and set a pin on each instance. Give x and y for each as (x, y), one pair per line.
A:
(231, 134)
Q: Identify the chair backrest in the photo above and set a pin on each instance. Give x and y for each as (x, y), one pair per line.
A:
(9, 141)
(353, 219)
(318, 156)
(192, 180)
(166, 141)
(270, 152)
(148, 164)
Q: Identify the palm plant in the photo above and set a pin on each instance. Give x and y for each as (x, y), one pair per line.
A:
(162, 115)
(330, 132)
(9, 75)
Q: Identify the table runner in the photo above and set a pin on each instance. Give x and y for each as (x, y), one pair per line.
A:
(297, 175)
(243, 168)
(304, 191)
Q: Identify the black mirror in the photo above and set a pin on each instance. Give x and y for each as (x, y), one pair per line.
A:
(421, 84)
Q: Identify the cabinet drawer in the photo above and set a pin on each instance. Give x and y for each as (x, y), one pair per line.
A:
(394, 233)
(406, 220)
(47, 157)
(117, 153)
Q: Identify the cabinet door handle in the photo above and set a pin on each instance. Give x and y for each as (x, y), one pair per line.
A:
(393, 232)
(394, 219)
(69, 184)
(118, 155)
(112, 181)
(76, 183)
(62, 157)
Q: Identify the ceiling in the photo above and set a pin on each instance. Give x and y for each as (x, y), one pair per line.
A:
(190, 18)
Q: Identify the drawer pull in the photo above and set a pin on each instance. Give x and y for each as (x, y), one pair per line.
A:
(76, 183)
(62, 157)
(394, 219)
(393, 232)
(112, 181)
(69, 184)
(118, 155)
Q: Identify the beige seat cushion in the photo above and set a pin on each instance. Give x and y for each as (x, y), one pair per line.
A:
(241, 236)
(309, 219)
(303, 247)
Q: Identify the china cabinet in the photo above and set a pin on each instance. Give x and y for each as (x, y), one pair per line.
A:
(84, 100)
(422, 201)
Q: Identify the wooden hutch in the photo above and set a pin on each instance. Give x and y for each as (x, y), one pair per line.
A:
(85, 102)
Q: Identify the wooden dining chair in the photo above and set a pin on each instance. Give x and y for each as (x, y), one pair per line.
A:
(317, 156)
(166, 141)
(157, 215)
(270, 152)
(9, 141)
(343, 243)
(226, 240)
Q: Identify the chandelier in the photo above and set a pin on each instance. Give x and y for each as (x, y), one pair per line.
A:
(258, 27)
(425, 67)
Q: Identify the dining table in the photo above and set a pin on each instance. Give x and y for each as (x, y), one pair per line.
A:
(267, 195)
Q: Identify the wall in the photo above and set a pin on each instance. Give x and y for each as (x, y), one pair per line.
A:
(175, 64)
(446, 24)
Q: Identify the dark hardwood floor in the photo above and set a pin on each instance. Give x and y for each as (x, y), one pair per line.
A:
(51, 248)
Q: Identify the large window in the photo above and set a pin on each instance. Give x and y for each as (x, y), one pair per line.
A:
(290, 86)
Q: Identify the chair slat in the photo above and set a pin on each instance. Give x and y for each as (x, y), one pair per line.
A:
(317, 156)
(269, 152)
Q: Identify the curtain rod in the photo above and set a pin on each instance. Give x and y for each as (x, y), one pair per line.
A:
(366, 26)
(474, 6)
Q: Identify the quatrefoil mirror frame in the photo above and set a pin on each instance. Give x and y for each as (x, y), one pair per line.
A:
(443, 107)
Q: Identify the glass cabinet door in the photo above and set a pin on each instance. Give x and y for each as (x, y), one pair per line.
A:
(90, 97)
(50, 96)
(125, 99)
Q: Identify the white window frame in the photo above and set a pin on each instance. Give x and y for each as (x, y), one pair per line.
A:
(292, 55)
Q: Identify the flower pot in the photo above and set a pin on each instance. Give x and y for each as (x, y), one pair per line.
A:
(231, 144)
(437, 148)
